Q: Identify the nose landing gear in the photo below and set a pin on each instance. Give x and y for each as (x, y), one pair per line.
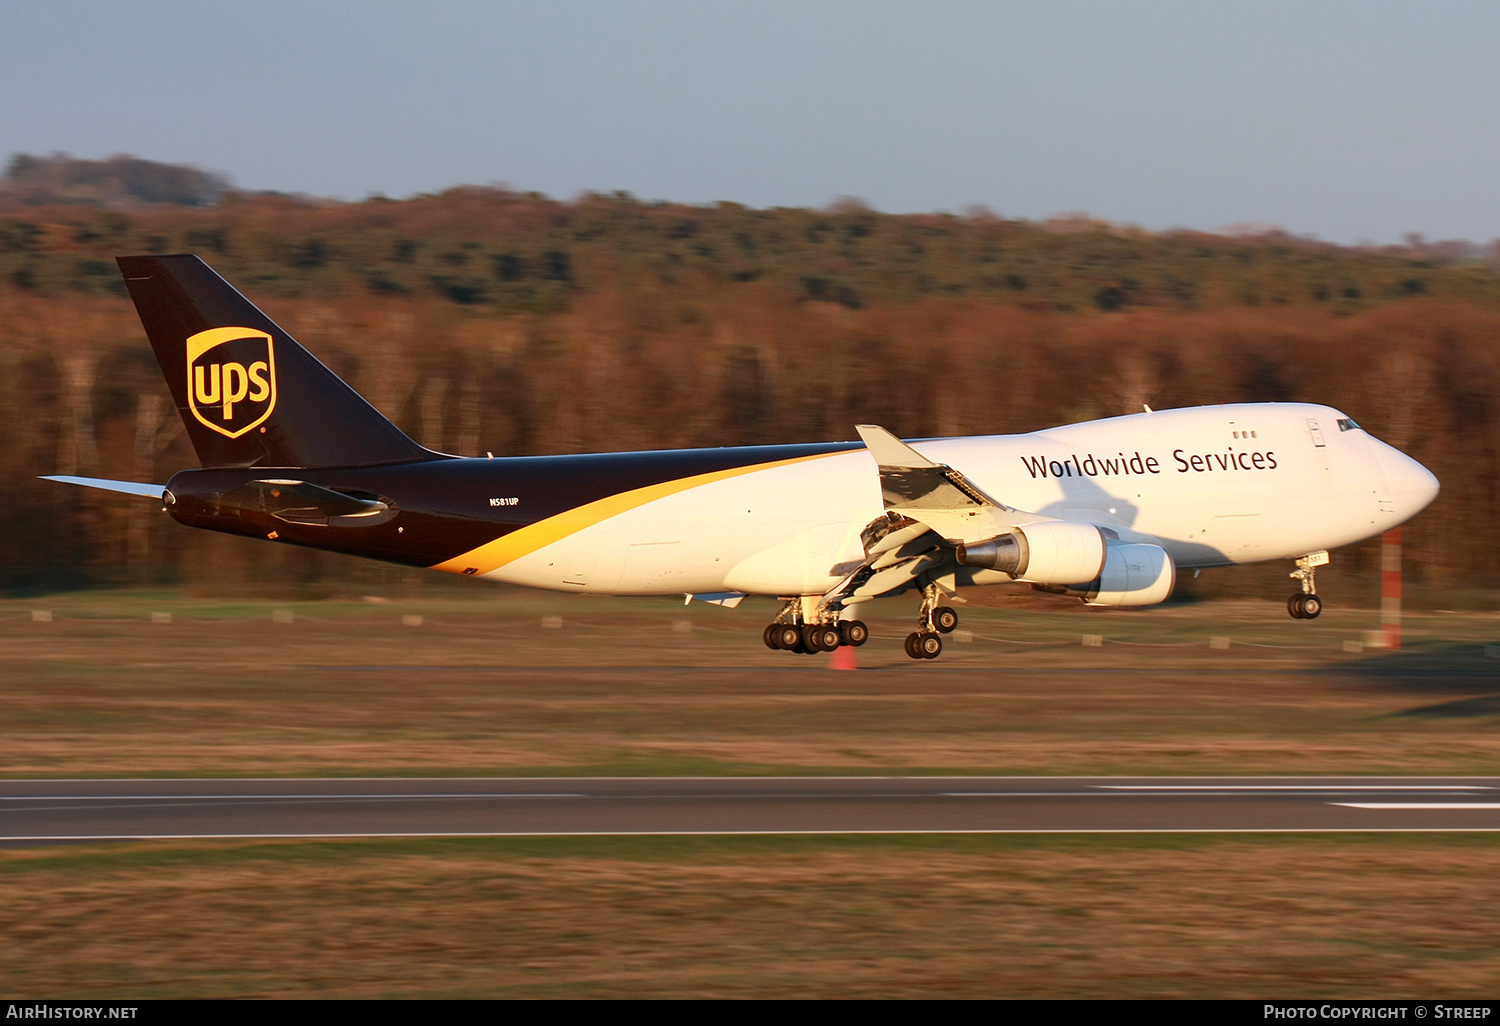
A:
(1305, 604)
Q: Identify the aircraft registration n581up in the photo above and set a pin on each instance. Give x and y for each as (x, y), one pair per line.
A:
(1108, 511)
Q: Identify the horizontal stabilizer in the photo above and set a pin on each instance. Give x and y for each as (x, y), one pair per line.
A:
(152, 491)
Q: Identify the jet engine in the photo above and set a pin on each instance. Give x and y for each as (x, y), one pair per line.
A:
(1048, 552)
(1054, 555)
(1133, 575)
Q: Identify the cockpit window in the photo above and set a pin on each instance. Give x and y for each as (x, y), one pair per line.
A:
(1345, 424)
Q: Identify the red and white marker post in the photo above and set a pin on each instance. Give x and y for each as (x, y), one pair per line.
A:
(1390, 588)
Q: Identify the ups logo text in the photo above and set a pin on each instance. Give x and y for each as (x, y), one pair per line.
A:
(231, 379)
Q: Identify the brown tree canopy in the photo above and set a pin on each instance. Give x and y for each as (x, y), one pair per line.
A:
(482, 320)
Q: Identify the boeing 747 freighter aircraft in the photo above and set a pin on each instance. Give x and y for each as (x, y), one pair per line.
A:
(1108, 511)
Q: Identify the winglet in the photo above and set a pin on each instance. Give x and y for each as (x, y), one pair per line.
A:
(935, 494)
(890, 451)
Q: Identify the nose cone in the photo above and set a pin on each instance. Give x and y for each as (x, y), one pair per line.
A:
(1410, 487)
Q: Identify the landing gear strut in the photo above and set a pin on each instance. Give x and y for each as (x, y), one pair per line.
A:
(1305, 604)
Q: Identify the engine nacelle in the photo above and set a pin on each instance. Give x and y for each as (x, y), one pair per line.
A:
(1133, 575)
(1053, 552)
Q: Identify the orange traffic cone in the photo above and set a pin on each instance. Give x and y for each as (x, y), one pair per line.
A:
(843, 658)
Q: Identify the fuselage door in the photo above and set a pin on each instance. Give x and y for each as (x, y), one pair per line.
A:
(1319, 446)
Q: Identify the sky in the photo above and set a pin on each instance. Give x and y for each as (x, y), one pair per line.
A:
(1349, 121)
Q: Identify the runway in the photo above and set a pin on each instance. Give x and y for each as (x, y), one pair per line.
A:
(43, 811)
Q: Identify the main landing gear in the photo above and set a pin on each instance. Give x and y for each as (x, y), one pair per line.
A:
(933, 621)
(791, 631)
(1305, 604)
(790, 634)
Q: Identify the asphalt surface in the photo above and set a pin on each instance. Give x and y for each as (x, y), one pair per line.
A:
(33, 811)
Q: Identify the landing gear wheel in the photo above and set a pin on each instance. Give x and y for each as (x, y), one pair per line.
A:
(923, 645)
(769, 636)
(788, 637)
(810, 637)
(1304, 607)
(944, 619)
(854, 632)
(821, 637)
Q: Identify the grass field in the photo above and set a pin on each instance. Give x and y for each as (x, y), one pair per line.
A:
(633, 686)
(481, 686)
(1287, 916)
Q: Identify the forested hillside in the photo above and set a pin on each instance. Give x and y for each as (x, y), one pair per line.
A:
(486, 320)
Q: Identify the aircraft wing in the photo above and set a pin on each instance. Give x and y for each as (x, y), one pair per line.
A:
(934, 494)
(930, 509)
(127, 487)
(898, 550)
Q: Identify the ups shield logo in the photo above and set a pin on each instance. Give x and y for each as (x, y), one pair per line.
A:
(231, 379)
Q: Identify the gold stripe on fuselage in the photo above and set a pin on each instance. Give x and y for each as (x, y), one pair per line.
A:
(525, 540)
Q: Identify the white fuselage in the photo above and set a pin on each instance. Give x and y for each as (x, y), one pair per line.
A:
(1213, 485)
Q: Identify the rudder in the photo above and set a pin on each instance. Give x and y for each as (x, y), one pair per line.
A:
(248, 393)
